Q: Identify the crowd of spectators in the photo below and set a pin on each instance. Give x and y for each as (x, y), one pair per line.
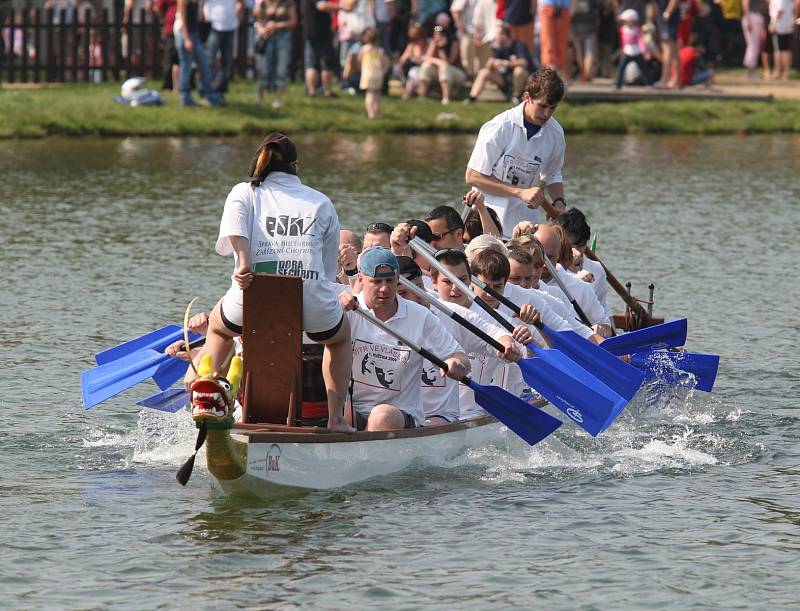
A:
(451, 50)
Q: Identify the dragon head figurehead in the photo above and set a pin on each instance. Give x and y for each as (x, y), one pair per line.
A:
(213, 394)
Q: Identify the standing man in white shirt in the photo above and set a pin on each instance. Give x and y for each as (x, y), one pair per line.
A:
(386, 393)
(518, 150)
(224, 16)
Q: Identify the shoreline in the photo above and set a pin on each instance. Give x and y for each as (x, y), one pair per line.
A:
(67, 110)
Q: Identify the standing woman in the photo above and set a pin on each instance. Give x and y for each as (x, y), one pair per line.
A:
(190, 49)
(275, 22)
(753, 12)
(276, 224)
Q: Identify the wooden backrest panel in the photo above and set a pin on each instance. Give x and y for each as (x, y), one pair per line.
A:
(272, 339)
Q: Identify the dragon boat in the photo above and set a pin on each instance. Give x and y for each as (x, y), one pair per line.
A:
(279, 445)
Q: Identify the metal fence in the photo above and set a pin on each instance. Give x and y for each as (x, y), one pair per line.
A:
(49, 46)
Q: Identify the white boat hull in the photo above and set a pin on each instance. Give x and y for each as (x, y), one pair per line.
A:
(275, 466)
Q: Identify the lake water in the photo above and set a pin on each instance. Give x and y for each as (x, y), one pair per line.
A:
(689, 501)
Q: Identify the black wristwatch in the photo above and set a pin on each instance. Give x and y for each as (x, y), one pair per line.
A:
(560, 199)
(351, 272)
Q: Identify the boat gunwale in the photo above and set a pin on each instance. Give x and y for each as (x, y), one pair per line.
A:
(266, 433)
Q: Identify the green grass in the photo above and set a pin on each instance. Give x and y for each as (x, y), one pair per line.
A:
(88, 110)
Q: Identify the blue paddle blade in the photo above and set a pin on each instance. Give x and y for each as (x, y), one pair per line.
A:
(702, 366)
(623, 379)
(155, 340)
(170, 400)
(170, 372)
(527, 421)
(573, 390)
(668, 335)
(105, 381)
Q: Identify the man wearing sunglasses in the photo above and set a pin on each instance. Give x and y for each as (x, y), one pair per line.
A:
(447, 228)
(518, 150)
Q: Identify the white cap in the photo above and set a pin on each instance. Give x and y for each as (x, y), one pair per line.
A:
(132, 88)
(629, 15)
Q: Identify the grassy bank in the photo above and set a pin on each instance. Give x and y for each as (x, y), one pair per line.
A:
(88, 110)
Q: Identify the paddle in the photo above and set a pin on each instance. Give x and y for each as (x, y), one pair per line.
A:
(156, 340)
(702, 366)
(667, 335)
(170, 400)
(529, 423)
(571, 388)
(106, 381)
(622, 378)
(551, 268)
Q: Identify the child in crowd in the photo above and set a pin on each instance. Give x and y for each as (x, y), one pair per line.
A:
(633, 46)
(693, 72)
(374, 63)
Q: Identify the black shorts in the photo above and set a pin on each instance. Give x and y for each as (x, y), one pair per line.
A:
(321, 336)
(784, 42)
(319, 55)
(230, 325)
(361, 422)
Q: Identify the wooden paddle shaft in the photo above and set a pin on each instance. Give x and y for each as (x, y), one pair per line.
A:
(629, 300)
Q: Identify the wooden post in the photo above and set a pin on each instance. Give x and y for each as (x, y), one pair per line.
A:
(155, 45)
(272, 341)
(49, 73)
(117, 40)
(74, 45)
(105, 41)
(10, 50)
(62, 47)
(86, 38)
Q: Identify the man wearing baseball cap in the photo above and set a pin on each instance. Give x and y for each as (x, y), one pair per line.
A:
(386, 392)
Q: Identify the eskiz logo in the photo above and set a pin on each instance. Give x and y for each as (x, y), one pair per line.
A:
(274, 458)
(289, 225)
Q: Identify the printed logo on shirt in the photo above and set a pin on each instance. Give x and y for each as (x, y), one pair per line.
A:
(292, 267)
(289, 225)
(519, 172)
(431, 377)
(378, 365)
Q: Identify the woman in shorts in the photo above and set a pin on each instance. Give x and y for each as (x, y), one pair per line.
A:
(275, 224)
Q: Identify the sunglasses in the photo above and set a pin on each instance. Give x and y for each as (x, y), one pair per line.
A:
(438, 28)
(379, 228)
(439, 236)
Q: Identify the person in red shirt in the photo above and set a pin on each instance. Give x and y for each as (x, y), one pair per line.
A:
(166, 9)
(692, 70)
(687, 9)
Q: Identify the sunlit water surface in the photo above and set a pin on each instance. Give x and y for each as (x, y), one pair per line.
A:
(690, 501)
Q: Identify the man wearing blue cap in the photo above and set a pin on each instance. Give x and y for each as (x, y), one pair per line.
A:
(386, 392)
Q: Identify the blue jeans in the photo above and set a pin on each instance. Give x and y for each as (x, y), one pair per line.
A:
(198, 56)
(272, 66)
(223, 42)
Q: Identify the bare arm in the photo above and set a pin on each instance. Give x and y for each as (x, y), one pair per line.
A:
(532, 196)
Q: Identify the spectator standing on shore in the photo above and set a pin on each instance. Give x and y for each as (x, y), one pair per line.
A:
(354, 17)
(319, 56)
(132, 20)
(373, 63)
(166, 10)
(633, 46)
(190, 49)
(687, 9)
(520, 15)
(607, 38)
(441, 63)
(585, 30)
(753, 21)
(669, 19)
(556, 20)
(518, 150)
(275, 22)
(781, 26)
(508, 68)
(224, 16)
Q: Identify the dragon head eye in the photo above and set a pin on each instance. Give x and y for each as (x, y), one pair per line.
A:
(226, 386)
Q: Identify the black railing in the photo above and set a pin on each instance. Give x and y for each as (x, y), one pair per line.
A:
(87, 46)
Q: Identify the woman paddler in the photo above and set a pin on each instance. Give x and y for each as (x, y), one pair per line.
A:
(276, 224)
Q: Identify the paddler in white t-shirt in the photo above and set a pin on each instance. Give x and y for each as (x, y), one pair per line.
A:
(483, 358)
(386, 393)
(276, 224)
(520, 148)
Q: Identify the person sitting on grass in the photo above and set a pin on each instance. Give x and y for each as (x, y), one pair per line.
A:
(508, 68)
(693, 69)
(441, 63)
